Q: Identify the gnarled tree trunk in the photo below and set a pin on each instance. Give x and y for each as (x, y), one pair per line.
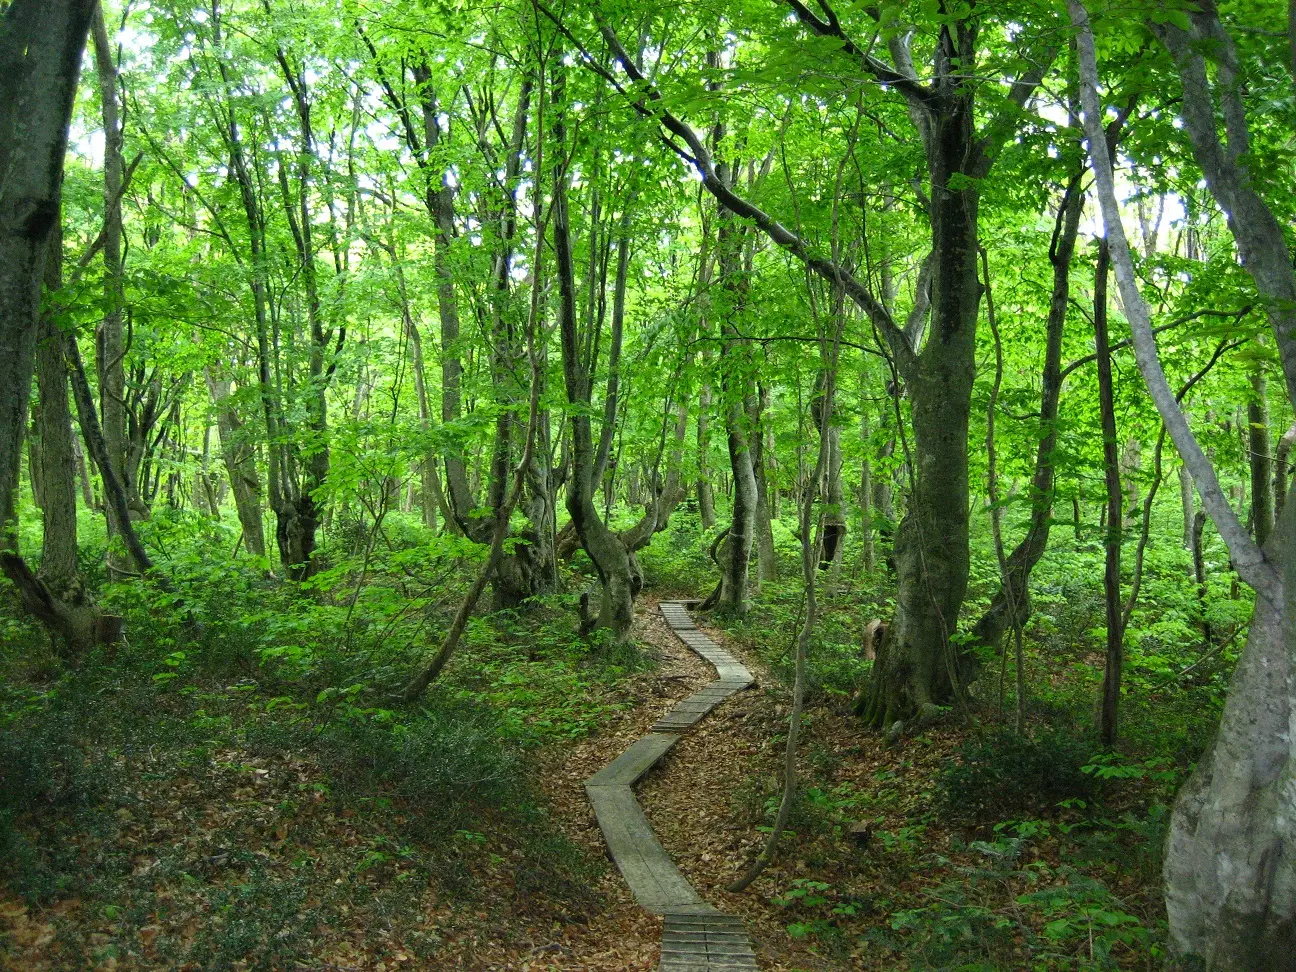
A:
(618, 580)
(1011, 602)
(41, 42)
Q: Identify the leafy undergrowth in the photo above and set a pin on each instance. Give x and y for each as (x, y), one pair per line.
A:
(254, 800)
(957, 848)
(215, 808)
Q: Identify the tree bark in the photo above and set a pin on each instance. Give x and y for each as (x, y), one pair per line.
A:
(1282, 470)
(705, 491)
(1188, 504)
(865, 495)
(1110, 709)
(239, 455)
(59, 568)
(1261, 462)
(766, 561)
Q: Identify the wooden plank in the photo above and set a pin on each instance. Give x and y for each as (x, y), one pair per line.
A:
(700, 705)
(709, 943)
(635, 761)
(651, 875)
(696, 937)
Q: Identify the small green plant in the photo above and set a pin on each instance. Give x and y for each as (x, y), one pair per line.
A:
(818, 906)
(1002, 914)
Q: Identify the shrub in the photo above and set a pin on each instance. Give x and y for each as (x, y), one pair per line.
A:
(45, 777)
(1001, 774)
(446, 760)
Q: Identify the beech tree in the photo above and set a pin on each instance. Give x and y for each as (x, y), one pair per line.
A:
(1228, 877)
(40, 54)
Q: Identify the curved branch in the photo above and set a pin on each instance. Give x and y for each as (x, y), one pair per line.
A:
(1248, 559)
(649, 104)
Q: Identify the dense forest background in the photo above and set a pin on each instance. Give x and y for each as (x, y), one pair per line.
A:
(370, 371)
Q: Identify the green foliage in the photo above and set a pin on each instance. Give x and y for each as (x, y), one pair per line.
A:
(817, 907)
(999, 773)
(1052, 918)
(448, 757)
(49, 788)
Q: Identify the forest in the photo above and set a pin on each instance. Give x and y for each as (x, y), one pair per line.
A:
(601, 485)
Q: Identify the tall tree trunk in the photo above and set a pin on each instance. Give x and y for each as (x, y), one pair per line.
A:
(865, 495)
(735, 560)
(300, 514)
(278, 474)
(884, 507)
(608, 553)
(110, 348)
(1131, 461)
(41, 42)
(83, 474)
(705, 491)
(1282, 470)
(1261, 462)
(239, 455)
(55, 596)
(1110, 710)
(58, 568)
(916, 671)
(766, 561)
(833, 520)
(1188, 504)
(735, 594)
(1011, 602)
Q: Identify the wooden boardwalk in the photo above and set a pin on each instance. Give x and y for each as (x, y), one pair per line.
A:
(696, 937)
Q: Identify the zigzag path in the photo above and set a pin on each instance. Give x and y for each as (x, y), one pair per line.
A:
(696, 936)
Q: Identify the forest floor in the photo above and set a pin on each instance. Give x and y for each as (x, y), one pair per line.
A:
(834, 897)
(236, 853)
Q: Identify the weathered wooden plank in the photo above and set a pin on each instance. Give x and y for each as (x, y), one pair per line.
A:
(634, 762)
(715, 924)
(651, 875)
(696, 937)
(701, 705)
(709, 943)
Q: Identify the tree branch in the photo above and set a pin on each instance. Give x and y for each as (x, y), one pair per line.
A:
(1248, 559)
(649, 104)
